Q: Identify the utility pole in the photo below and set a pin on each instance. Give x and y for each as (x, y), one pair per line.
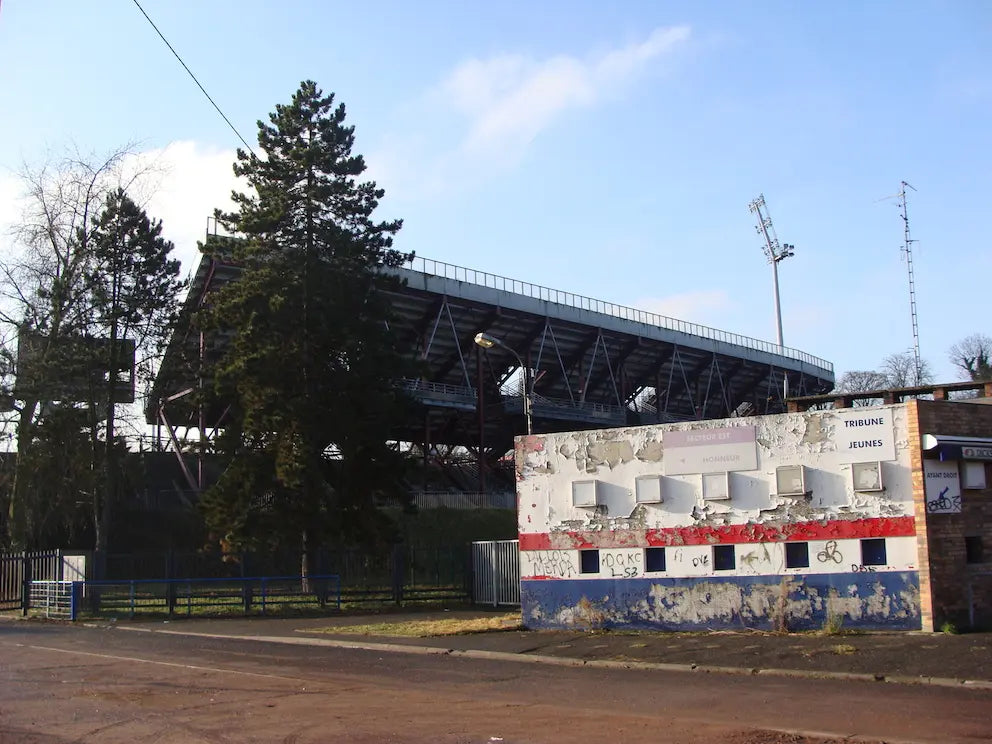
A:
(775, 252)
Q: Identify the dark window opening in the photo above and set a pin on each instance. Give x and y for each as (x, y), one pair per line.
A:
(654, 560)
(873, 552)
(724, 558)
(797, 555)
(974, 551)
(590, 561)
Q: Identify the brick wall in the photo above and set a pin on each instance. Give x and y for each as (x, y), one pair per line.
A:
(952, 589)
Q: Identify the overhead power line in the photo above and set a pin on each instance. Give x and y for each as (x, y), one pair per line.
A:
(193, 77)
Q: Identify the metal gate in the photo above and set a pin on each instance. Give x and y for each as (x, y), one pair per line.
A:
(496, 572)
(18, 569)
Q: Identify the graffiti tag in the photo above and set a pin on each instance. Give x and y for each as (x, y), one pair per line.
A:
(622, 565)
(856, 568)
(550, 563)
(944, 504)
(830, 553)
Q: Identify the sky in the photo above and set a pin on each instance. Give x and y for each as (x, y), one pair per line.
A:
(605, 149)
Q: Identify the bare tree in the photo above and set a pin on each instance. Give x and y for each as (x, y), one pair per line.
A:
(972, 356)
(900, 370)
(861, 381)
(46, 306)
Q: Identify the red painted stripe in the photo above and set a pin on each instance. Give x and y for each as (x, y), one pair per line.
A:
(834, 529)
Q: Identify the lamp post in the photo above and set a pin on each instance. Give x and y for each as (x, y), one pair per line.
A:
(487, 342)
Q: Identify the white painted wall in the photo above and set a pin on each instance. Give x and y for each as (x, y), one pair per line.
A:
(825, 442)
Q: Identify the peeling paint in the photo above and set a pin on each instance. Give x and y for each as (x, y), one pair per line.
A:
(651, 451)
(795, 603)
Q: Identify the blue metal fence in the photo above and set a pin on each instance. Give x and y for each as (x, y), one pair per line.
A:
(211, 596)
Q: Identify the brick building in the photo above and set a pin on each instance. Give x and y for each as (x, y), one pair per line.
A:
(874, 517)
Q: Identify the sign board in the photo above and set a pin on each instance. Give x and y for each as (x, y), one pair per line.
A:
(942, 487)
(864, 435)
(710, 450)
(976, 453)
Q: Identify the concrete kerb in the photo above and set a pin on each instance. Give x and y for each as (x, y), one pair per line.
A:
(573, 662)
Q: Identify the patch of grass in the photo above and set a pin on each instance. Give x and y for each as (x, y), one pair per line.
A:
(426, 628)
(949, 628)
(843, 649)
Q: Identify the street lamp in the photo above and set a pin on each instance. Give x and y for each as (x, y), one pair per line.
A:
(487, 342)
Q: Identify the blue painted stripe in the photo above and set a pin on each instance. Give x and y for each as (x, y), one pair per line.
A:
(889, 600)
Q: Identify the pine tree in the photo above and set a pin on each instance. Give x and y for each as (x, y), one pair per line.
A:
(310, 364)
(134, 286)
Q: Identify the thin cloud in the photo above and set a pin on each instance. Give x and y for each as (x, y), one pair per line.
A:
(483, 115)
(508, 100)
(186, 182)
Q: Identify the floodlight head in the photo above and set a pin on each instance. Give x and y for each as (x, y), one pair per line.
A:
(486, 341)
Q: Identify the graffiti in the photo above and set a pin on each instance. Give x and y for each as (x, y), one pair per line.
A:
(830, 553)
(702, 560)
(554, 563)
(622, 564)
(857, 568)
(944, 504)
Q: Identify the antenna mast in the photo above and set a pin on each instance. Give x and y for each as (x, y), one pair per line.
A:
(908, 250)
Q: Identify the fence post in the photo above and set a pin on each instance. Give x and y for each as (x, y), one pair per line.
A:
(170, 587)
(493, 558)
(75, 599)
(398, 555)
(25, 583)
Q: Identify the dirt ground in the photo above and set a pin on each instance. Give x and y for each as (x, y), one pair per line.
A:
(966, 656)
(72, 684)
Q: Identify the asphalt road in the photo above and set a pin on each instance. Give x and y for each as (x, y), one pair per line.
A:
(77, 684)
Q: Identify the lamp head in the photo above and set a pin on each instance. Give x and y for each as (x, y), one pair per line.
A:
(486, 341)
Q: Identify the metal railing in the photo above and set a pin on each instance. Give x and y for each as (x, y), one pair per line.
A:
(54, 599)
(18, 570)
(424, 388)
(211, 596)
(460, 500)
(496, 572)
(581, 302)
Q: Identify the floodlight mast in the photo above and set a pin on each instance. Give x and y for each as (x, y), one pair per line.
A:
(775, 252)
(487, 342)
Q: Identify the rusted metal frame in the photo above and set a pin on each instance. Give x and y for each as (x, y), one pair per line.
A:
(671, 373)
(632, 345)
(774, 388)
(688, 386)
(467, 343)
(437, 322)
(458, 346)
(561, 363)
(749, 393)
(420, 326)
(201, 451)
(709, 379)
(727, 378)
(592, 364)
(177, 448)
(696, 375)
(576, 359)
(609, 367)
(220, 420)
